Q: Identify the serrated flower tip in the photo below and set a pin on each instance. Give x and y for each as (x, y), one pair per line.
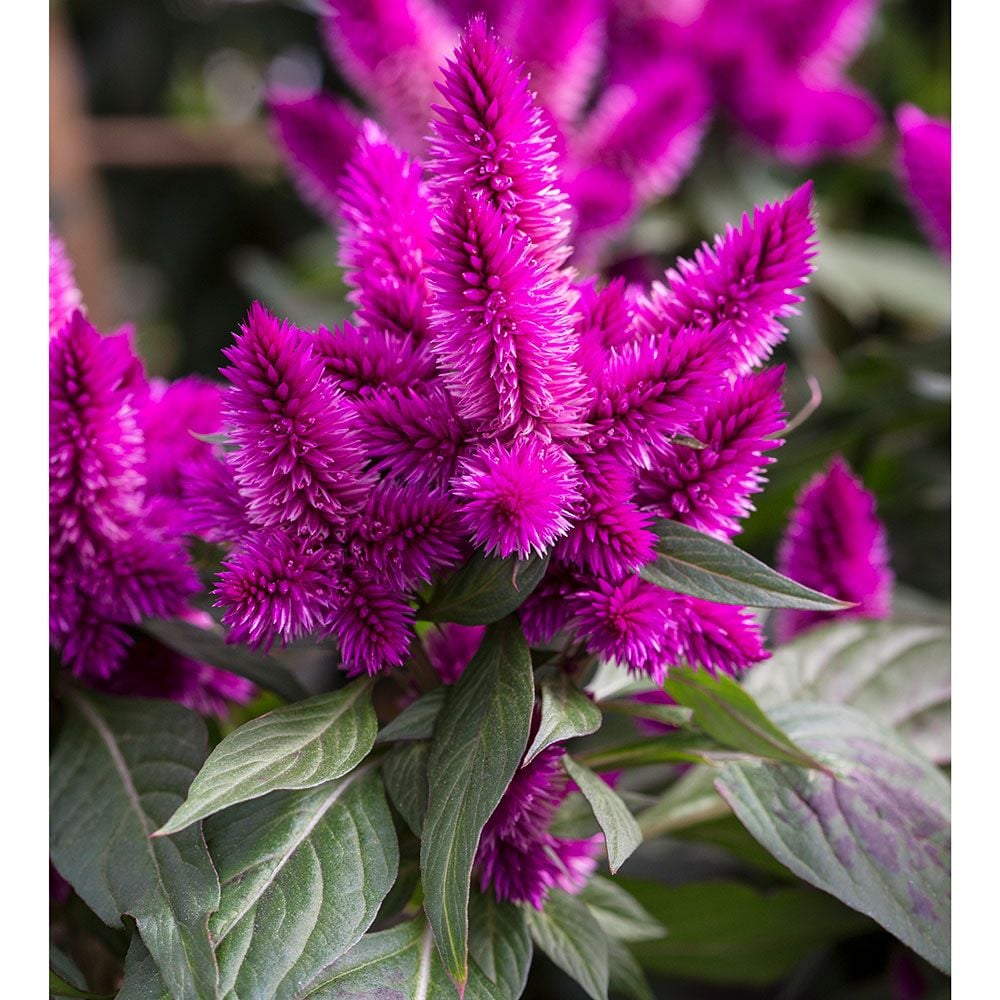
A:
(298, 461)
(520, 498)
(925, 162)
(64, 296)
(490, 138)
(835, 543)
(373, 624)
(718, 638)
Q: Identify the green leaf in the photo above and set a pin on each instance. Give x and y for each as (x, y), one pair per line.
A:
(484, 590)
(667, 715)
(121, 766)
(690, 562)
(670, 748)
(572, 938)
(142, 980)
(480, 737)
(625, 975)
(416, 721)
(404, 963)
(404, 769)
(295, 746)
(900, 675)
(620, 914)
(500, 945)
(210, 646)
(876, 835)
(728, 932)
(303, 875)
(59, 987)
(65, 968)
(621, 832)
(566, 712)
(691, 800)
(729, 715)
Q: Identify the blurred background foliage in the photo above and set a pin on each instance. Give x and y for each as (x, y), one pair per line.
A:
(177, 211)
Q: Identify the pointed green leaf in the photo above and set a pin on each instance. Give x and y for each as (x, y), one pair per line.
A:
(303, 875)
(404, 769)
(690, 562)
(729, 715)
(296, 746)
(620, 914)
(621, 832)
(479, 739)
(899, 674)
(210, 646)
(566, 712)
(876, 834)
(625, 975)
(120, 768)
(499, 944)
(142, 979)
(416, 721)
(572, 938)
(484, 590)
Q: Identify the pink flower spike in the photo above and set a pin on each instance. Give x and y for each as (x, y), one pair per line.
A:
(743, 283)
(925, 161)
(373, 624)
(490, 138)
(719, 638)
(64, 296)
(314, 134)
(836, 544)
(520, 498)
(386, 239)
(298, 460)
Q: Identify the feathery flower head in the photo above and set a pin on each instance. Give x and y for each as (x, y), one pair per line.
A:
(490, 138)
(450, 648)
(709, 488)
(315, 134)
(629, 621)
(390, 50)
(275, 586)
(925, 160)
(719, 638)
(413, 434)
(297, 459)
(546, 611)
(386, 238)
(519, 498)
(404, 534)
(743, 283)
(373, 624)
(64, 296)
(505, 339)
(605, 321)
(361, 361)
(212, 507)
(611, 536)
(836, 544)
(517, 856)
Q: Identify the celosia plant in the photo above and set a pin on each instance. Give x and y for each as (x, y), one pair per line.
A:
(497, 506)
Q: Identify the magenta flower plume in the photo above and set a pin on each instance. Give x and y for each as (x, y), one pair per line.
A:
(654, 389)
(64, 296)
(836, 544)
(360, 361)
(925, 160)
(297, 461)
(743, 283)
(152, 670)
(275, 586)
(111, 563)
(517, 856)
(211, 503)
(547, 611)
(404, 534)
(631, 622)
(520, 498)
(170, 418)
(413, 434)
(373, 624)
(710, 488)
(390, 50)
(450, 647)
(505, 339)
(606, 321)
(315, 134)
(386, 239)
(491, 139)
(719, 638)
(611, 537)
